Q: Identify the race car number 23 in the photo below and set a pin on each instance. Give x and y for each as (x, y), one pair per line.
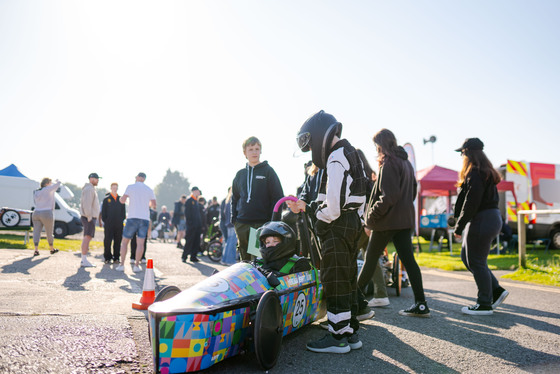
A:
(299, 310)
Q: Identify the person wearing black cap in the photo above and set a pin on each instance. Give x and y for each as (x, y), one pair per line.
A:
(478, 222)
(194, 227)
(89, 211)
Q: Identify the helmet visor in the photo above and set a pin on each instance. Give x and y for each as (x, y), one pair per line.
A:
(304, 141)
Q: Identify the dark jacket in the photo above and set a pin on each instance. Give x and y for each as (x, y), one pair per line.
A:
(391, 204)
(178, 213)
(476, 194)
(113, 212)
(255, 190)
(192, 214)
(212, 212)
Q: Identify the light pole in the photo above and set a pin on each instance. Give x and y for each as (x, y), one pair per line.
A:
(432, 140)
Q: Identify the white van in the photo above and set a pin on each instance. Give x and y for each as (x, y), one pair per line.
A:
(17, 193)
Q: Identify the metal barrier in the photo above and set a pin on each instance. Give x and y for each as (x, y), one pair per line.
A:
(522, 231)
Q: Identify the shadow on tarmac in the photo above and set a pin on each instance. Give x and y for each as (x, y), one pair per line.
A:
(481, 333)
(22, 266)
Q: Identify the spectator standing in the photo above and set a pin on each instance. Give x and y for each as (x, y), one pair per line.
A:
(138, 220)
(164, 218)
(478, 223)
(228, 256)
(89, 211)
(338, 210)
(255, 190)
(43, 215)
(203, 214)
(113, 214)
(179, 219)
(380, 296)
(213, 211)
(390, 217)
(194, 227)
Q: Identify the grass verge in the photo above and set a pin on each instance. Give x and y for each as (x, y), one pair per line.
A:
(14, 241)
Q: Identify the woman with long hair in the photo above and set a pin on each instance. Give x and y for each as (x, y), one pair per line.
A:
(478, 223)
(390, 217)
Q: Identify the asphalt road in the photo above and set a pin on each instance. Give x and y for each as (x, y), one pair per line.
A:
(58, 318)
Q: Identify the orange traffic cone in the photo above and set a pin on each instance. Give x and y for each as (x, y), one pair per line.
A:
(149, 288)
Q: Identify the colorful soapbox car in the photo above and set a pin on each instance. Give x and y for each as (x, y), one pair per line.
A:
(238, 309)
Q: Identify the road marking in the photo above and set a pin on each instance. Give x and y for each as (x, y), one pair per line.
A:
(449, 274)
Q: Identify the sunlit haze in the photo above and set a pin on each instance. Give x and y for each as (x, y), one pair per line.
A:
(118, 87)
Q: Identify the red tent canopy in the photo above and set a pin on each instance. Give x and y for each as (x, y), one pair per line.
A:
(437, 181)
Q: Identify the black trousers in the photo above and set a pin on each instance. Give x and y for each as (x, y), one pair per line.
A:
(192, 242)
(477, 237)
(113, 234)
(403, 244)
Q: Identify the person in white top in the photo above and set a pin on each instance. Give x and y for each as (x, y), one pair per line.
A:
(138, 220)
(43, 215)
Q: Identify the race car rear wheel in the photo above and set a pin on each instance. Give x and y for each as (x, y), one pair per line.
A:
(167, 292)
(268, 329)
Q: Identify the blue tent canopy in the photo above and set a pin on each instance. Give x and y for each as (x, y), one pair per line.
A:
(12, 171)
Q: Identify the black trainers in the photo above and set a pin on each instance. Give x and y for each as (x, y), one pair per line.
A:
(477, 310)
(500, 295)
(328, 344)
(354, 341)
(365, 313)
(416, 310)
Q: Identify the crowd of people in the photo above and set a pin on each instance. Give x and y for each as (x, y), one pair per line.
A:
(349, 205)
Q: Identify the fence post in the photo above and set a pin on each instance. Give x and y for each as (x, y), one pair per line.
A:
(521, 233)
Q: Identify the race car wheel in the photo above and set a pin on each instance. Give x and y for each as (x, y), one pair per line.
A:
(268, 329)
(397, 274)
(10, 218)
(167, 292)
(215, 250)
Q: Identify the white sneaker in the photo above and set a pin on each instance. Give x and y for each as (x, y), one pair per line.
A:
(136, 269)
(143, 261)
(86, 264)
(120, 268)
(382, 301)
(132, 260)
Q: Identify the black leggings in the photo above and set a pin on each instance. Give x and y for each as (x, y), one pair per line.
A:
(477, 237)
(403, 244)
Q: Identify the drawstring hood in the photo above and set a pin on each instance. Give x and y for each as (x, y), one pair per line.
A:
(250, 170)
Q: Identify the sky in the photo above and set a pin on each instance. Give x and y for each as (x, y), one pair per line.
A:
(118, 87)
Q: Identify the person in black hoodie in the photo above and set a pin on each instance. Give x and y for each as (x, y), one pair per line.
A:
(255, 190)
(390, 217)
(113, 214)
(194, 226)
(478, 223)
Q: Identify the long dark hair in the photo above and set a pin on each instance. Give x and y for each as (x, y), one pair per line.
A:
(476, 159)
(386, 143)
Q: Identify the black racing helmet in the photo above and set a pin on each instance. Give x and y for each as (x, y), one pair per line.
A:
(316, 135)
(286, 248)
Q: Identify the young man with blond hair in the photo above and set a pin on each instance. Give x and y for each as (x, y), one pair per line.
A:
(255, 190)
